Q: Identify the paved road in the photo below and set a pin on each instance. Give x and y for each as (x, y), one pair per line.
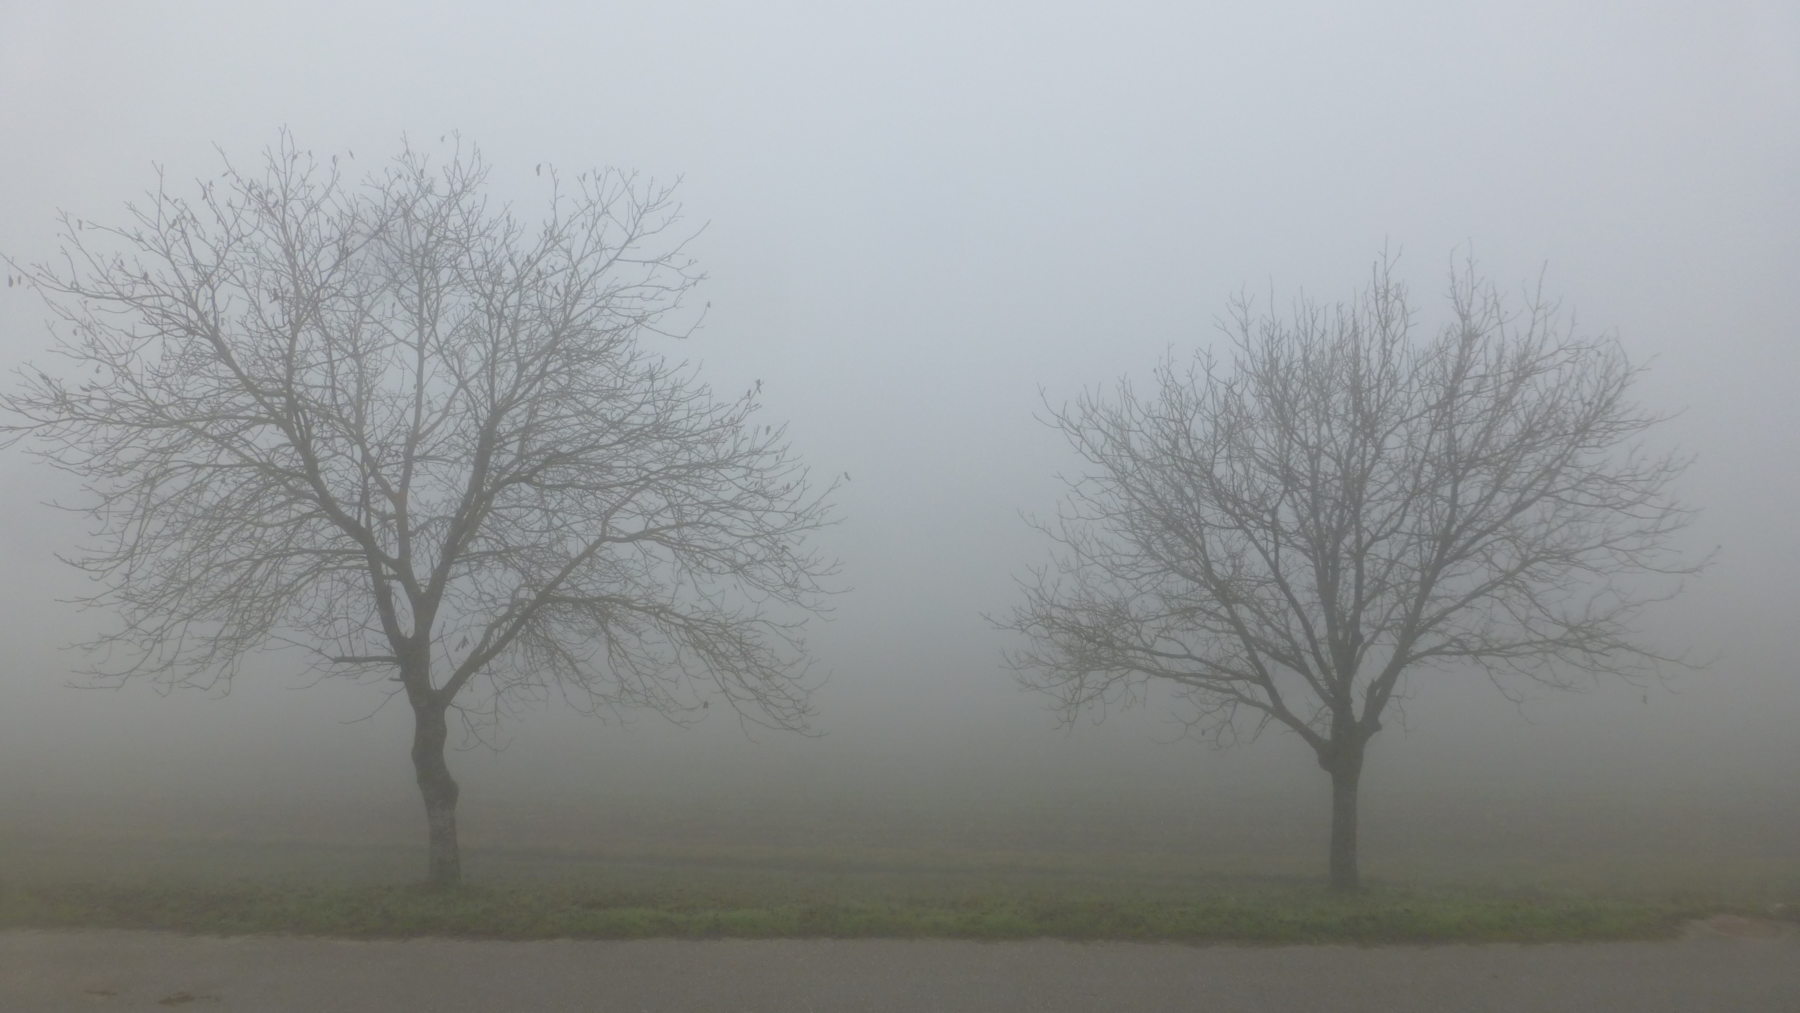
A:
(96, 971)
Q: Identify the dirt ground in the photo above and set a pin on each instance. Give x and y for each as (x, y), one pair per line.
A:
(1721, 965)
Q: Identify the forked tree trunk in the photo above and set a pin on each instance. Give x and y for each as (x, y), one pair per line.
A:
(1343, 760)
(1345, 875)
(430, 732)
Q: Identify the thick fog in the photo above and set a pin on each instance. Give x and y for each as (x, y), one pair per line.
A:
(917, 217)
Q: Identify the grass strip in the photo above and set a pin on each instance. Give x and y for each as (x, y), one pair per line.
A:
(545, 911)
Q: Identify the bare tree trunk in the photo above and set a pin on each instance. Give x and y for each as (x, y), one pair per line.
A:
(430, 732)
(1346, 774)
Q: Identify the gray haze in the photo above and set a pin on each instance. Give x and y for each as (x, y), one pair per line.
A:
(920, 214)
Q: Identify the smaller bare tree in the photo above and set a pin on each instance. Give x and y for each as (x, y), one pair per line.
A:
(390, 423)
(1292, 539)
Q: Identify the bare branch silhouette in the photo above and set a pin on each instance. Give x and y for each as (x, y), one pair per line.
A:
(1288, 538)
(424, 439)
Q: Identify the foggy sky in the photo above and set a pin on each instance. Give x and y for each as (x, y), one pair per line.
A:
(918, 215)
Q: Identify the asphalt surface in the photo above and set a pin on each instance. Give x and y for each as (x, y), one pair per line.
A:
(89, 971)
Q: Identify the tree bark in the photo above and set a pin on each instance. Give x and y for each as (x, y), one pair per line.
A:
(439, 789)
(1346, 773)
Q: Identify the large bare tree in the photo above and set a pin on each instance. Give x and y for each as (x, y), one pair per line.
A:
(388, 422)
(1293, 537)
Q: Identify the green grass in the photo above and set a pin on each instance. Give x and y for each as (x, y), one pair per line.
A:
(500, 912)
(237, 888)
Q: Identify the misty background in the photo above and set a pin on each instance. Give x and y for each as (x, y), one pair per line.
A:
(916, 218)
